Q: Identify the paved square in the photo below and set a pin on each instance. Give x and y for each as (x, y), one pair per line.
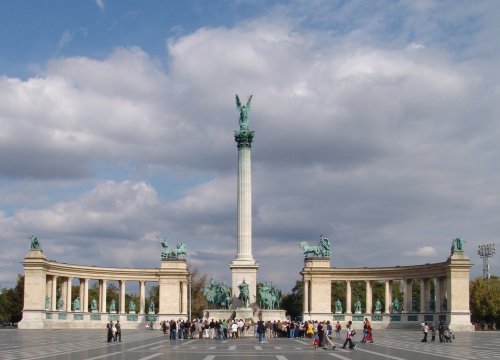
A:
(148, 344)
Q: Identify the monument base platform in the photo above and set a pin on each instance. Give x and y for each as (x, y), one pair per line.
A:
(244, 313)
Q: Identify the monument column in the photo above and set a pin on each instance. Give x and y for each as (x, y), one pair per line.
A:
(103, 287)
(423, 286)
(244, 267)
(437, 294)
(407, 303)
(85, 298)
(306, 297)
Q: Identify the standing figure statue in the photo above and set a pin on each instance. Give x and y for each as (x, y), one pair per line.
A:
(35, 244)
(357, 307)
(93, 305)
(244, 293)
(338, 307)
(76, 304)
(60, 303)
(131, 307)
(378, 306)
(112, 306)
(396, 306)
(151, 307)
(243, 109)
(324, 245)
(457, 245)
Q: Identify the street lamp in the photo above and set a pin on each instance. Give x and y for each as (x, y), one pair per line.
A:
(485, 252)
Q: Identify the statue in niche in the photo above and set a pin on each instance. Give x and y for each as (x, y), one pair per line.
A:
(396, 305)
(414, 305)
(93, 305)
(131, 307)
(112, 306)
(432, 305)
(378, 306)
(243, 109)
(244, 293)
(60, 303)
(445, 304)
(76, 304)
(35, 244)
(357, 307)
(151, 307)
(338, 307)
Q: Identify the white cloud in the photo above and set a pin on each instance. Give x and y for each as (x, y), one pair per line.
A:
(101, 4)
(422, 251)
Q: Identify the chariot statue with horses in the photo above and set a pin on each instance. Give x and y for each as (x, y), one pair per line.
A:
(320, 250)
(218, 295)
(174, 253)
(269, 297)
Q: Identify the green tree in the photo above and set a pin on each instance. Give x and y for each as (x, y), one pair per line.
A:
(198, 301)
(12, 301)
(292, 302)
(485, 301)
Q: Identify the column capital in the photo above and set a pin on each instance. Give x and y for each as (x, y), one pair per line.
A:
(244, 138)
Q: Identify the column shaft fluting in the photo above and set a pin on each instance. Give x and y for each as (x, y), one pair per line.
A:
(244, 250)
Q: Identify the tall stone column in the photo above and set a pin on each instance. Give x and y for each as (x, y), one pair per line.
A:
(48, 289)
(244, 267)
(437, 293)
(423, 291)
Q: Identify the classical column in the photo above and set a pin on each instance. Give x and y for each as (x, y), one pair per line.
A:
(53, 298)
(407, 306)
(423, 302)
(69, 298)
(122, 296)
(306, 297)
(48, 289)
(85, 298)
(437, 294)
(184, 297)
(348, 306)
(103, 287)
(142, 299)
(388, 297)
(369, 297)
(244, 267)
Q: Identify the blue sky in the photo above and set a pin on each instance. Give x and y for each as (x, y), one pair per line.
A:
(376, 124)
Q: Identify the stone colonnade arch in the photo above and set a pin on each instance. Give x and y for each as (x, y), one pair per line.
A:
(41, 309)
(450, 301)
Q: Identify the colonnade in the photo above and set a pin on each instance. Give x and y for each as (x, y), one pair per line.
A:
(449, 282)
(48, 283)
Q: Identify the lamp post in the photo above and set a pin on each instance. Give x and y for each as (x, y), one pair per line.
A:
(485, 252)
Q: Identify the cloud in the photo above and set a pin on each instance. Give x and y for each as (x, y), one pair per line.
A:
(101, 4)
(388, 148)
(422, 251)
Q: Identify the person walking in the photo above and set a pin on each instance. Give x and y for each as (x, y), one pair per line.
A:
(261, 330)
(118, 334)
(338, 327)
(348, 339)
(109, 326)
(425, 329)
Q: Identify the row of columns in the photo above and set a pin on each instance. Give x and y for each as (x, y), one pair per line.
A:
(66, 283)
(440, 292)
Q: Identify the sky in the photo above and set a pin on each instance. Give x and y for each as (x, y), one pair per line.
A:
(376, 124)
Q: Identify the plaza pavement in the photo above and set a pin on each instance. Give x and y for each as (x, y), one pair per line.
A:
(152, 344)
